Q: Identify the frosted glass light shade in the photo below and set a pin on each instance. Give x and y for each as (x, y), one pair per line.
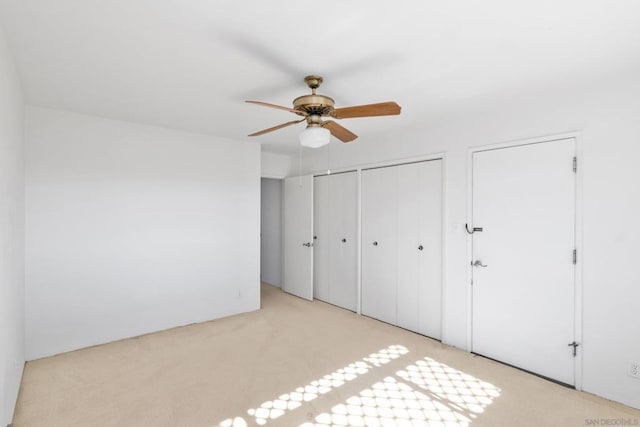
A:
(315, 136)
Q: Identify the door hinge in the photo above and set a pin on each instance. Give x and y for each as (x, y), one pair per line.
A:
(575, 347)
(575, 164)
(575, 256)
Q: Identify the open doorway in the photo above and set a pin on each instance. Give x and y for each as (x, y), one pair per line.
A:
(271, 232)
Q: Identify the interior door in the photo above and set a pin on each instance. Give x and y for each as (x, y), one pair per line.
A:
(379, 243)
(523, 278)
(298, 236)
(321, 207)
(343, 262)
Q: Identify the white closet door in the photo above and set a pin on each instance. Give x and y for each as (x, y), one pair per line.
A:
(379, 243)
(430, 257)
(298, 235)
(342, 234)
(420, 247)
(321, 265)
(410, 197)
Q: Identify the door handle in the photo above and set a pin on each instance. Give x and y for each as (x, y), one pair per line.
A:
(420, 247)
(375, 243)
(344, 240)
(478, 263)
(308, 244)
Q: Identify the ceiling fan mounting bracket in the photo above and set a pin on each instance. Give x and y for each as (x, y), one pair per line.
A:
(313, 82)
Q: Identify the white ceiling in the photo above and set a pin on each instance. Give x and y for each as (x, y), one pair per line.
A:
(189, 64)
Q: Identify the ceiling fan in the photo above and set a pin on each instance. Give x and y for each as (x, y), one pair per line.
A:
(313, 108)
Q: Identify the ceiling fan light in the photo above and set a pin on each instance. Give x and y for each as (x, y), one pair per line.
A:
(314, 137)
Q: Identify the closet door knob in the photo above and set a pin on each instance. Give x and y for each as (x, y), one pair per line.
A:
(375, 243)
(344, 240)
(420, 248)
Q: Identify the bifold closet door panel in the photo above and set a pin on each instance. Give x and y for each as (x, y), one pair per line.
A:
(321, 266)
(379, 243)
(420, 247)
(430, 258)
(343, 263)
(410, 199)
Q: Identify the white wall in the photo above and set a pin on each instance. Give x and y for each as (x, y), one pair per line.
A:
(133, 229)
(606, 111)
(271, 231)
(11, 235)
(275, 165)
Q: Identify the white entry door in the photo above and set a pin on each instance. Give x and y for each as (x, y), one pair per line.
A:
(298, 236)
(524, 276)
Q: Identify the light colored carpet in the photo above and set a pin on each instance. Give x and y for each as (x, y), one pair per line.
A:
(293, 363)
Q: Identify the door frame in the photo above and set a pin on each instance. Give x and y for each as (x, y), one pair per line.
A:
(578, 232)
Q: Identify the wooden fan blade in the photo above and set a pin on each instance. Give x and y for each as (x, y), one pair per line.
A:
(284, 125)
(339, 131)
(369, 110)
(266, 104)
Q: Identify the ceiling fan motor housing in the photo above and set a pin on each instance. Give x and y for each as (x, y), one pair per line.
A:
(319, 105)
